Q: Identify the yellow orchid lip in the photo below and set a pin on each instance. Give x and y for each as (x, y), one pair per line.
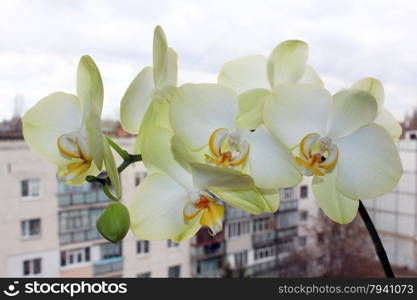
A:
(212, 213)
(318, 155)
(225, 152)
(72, 147)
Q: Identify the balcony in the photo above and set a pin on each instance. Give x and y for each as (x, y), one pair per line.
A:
(218, 273)
(207, 251)
(107, 266)
(79, 236)
(288, 205)
(203, 237)
(82, 198)
(264, 238)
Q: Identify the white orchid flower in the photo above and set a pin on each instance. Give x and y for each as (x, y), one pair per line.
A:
(177, 198)
(145, 102)
(65, 129)
(336, 141)
(384, 117)
(253, 77)
(203, 116)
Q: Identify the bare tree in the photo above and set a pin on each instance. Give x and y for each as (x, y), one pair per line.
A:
(337, 251)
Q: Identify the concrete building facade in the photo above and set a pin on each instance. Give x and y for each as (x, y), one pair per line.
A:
(48, 228)
(395, 214)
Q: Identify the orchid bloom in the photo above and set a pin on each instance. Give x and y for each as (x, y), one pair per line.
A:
(335, 140)
(384, 117)
(203, 116)
(145, 102)
(177, 198)
(65, 129)
(253, 77)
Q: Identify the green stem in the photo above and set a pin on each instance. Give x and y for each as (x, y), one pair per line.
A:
(108, 192)
(123, 153)
(105, 181)
(379, 247)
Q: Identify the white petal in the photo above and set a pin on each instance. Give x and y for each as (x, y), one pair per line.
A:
(293, 111)
(334, 204)
(111, 169)
(199, 109)
(310, 76)
(158, 156)
(372, 86)
(156, 212)
(351, 110)
(157, 115)
(272, 200)
(164, 61)
(287, 62)
(369, 165)
(171, 73)
(388, 121)
(185, 155)
(271, 164)
(51, 117)
(136, 100)
(205, 176)
(248, 199)
(89, 87)
(251, 105)
(244, 73)
(90, 92)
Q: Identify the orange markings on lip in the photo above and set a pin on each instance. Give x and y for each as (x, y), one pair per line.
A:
(223, 158)
(317, 162)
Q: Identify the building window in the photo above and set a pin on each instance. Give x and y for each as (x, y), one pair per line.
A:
(32, 266)
(31, 228)
(109, 250)
(262, 224)
(264, 252)
(302, 241)
(303, 215)
(29, 188)
(287, 194)
(320, 260)
(75, 256)
(139, 176)
(171, 244)
(144, 275)
(320, 237)
(174, 272)
(142, 247)
(303, 191)
(241, 259)
(237, 229)
(74, 220)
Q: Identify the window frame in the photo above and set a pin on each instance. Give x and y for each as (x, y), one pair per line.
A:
(25, 229)
(30, 188)
(143, 247)
(177, 269)
(32, 266)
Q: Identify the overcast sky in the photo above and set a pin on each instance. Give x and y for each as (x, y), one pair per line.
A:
(41, 42)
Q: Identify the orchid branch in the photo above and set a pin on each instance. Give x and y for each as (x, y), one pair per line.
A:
(379, 247)
(128, 159)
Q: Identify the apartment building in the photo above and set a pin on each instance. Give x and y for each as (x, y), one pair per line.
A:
(395, 214)
(48, 228)
(29, 231)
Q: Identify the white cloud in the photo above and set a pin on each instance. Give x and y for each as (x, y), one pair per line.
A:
(41, 42)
